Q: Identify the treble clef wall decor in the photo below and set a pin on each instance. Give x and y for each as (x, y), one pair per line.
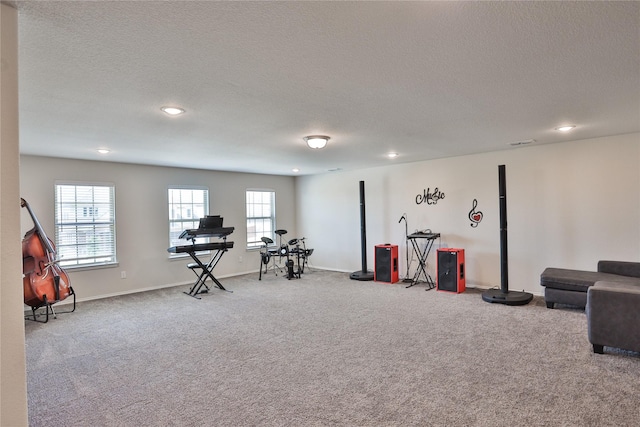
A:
(475, 216)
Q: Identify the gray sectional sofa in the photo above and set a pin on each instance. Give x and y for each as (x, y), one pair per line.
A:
(565, 286)
(613, 316)
(610, 296)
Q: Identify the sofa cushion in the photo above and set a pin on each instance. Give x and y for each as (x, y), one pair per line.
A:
(579, 280)
(623, 287)
(562, 296)
(622, 268)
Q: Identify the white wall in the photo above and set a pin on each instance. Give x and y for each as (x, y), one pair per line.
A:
(568, 204)
(142, 218)
(13, 383)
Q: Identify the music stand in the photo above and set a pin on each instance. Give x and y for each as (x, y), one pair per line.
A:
(422, 254)
(306, 253)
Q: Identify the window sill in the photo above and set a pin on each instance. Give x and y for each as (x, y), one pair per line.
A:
(91, 267)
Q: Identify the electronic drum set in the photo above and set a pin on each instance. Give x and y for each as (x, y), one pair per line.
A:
(294, 253)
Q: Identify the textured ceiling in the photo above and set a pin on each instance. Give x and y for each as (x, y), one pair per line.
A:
(424, 79)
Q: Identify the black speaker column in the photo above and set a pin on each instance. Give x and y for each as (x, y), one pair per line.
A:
(363, 274)
(504, 296)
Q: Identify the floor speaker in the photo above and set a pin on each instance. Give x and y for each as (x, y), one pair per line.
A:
(450, 270)
(386, 261)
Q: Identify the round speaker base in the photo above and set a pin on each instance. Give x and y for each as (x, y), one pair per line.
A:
(508, 298)
(361, 275)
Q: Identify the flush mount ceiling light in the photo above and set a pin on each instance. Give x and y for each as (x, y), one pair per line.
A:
(103, 150)
(172, 111)
(392, 155)
(565, 128)
(316, 141)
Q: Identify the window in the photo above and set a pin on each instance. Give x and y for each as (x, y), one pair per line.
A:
(85, 230)
(186, 207)
(261, 216)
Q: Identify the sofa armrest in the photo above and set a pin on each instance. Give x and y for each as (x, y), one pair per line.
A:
(622, 268)
(613, 315)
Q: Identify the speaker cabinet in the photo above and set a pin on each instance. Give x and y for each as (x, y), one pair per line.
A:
(386, 261)
(450, 270)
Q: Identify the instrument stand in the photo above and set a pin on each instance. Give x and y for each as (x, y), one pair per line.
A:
(206, 273)
(193, 267)
(291, 274)
(305, 262)
(306, 253)
(265, 258)
(281, 252)
(49, 308)
(302, 254)
(293, 268)
(210, 226)
(266, 255)
(422, 254)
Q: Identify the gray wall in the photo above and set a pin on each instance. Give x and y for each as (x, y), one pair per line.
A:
(142, 218)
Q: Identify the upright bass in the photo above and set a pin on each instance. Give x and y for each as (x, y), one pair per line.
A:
(45, 282)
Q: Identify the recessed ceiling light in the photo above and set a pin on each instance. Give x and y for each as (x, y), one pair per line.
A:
(172, 111)
(316, 141)
(103, 150)
(565, 128)
(392, 155)
(295, 170)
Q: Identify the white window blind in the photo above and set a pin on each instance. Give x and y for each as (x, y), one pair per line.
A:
(186, 207)
(261, 216)
(85, 232)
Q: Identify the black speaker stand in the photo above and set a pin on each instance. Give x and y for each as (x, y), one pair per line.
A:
(364, 274)
(504, 295)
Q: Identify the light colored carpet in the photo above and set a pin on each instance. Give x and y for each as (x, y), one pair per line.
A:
(323, 351)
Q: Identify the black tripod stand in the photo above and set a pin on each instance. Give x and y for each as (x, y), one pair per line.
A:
(406, 279)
